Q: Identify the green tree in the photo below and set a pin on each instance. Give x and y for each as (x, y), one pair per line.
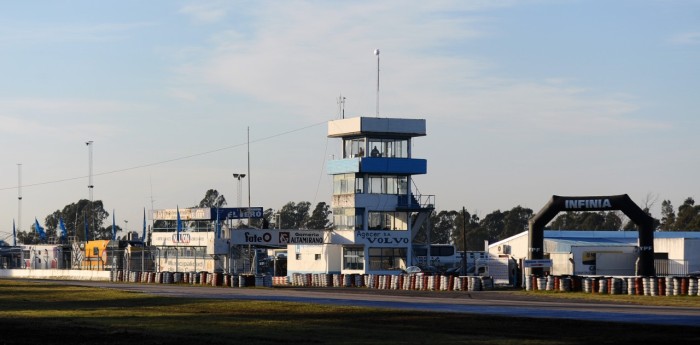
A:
(631, 226)
(612, 221)
(265, 221)
(320, 217)
(212, 198)
(515, 221)
(587, 221)
(75, 215)
(668, 215)
(688, 215)
(468, 224)
(441, 225)
(294, 216)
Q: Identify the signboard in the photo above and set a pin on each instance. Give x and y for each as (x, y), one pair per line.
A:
(275, 237)
(186, 238)
(185, 214)
(237, 213)
(372, 238)
(209, 213)
(537, 263)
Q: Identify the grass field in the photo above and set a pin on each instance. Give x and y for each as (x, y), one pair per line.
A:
(45, 313)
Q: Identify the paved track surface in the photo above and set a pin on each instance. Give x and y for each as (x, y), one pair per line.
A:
(503, 303)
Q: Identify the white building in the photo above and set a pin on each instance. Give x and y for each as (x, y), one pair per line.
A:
(607, 252)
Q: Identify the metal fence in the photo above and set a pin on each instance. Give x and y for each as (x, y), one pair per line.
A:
(670, 267)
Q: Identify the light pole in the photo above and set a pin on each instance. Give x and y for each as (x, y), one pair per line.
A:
(126, 227)
(239, 190)
(239, 177)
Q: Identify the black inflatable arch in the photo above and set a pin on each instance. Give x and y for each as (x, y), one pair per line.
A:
(594, 203)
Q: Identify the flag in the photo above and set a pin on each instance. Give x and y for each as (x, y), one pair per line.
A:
(179, 224)
(14, 234)
(143, 237)
(39, 229)
(114, 227)
(86, 227)
(62, 226)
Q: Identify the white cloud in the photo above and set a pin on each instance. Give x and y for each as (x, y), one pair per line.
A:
(71, 32)
(686, 38)
(206, 12)
(59, 118)
(303, 56)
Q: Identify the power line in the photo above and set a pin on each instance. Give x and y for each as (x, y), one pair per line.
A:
(167, 160)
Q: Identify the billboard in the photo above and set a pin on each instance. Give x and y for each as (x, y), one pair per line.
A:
(209, 213)
(275, 237)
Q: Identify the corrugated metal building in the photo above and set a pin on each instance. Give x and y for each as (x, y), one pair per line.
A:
(607, 252)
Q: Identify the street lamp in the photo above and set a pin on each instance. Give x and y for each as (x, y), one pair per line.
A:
(126, 227)
(239, 177)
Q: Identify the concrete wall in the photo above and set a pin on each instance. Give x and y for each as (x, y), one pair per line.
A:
(56, 274)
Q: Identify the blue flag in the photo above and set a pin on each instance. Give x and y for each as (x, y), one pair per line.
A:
(179, 224)
(143, 237)
(39, 229)
(114, 227)
(14, 234)
(86, 228)
(62, 226)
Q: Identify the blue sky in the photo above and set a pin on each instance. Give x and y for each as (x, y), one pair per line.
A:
(523, 99)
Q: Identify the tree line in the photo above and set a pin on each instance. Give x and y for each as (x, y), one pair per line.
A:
(87, 219)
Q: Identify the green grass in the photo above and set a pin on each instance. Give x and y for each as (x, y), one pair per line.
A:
(673, 301)
(45, 313)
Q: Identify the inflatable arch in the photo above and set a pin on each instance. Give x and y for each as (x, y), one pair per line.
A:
(645, 223)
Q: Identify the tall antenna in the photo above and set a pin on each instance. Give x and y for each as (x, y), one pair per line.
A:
(248, 172)
(341, 106)
(19, 196)
(90, 185)
(376, 52)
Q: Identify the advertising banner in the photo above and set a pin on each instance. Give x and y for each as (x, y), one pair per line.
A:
(275, 237)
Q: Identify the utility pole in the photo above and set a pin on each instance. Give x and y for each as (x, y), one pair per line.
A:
(464, 241)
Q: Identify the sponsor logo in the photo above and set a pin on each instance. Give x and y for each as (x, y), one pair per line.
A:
(184, 238)
(583, 204)
(284, 237)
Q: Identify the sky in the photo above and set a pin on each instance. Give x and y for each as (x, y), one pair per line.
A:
(522, 100)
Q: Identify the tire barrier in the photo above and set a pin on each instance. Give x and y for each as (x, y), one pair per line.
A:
(280, 281)
(647, 286)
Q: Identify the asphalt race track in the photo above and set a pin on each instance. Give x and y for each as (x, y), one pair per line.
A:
(503, 303)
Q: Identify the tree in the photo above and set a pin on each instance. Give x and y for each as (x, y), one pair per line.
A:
(212, 199)
(688, 216)
(612, 221)
(469, 224)
(320, 217)
(75, 217)
(294, 216)
(515, 221)
(442, 227)
(264, 222)
(586, 220)
(668, 216)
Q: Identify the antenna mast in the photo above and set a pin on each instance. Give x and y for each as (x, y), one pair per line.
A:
(341, 106)
(376, 52)
(90, 185)
(19, 196)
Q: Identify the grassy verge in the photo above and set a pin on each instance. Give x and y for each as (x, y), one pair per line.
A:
(45, 313)
(673, 301)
